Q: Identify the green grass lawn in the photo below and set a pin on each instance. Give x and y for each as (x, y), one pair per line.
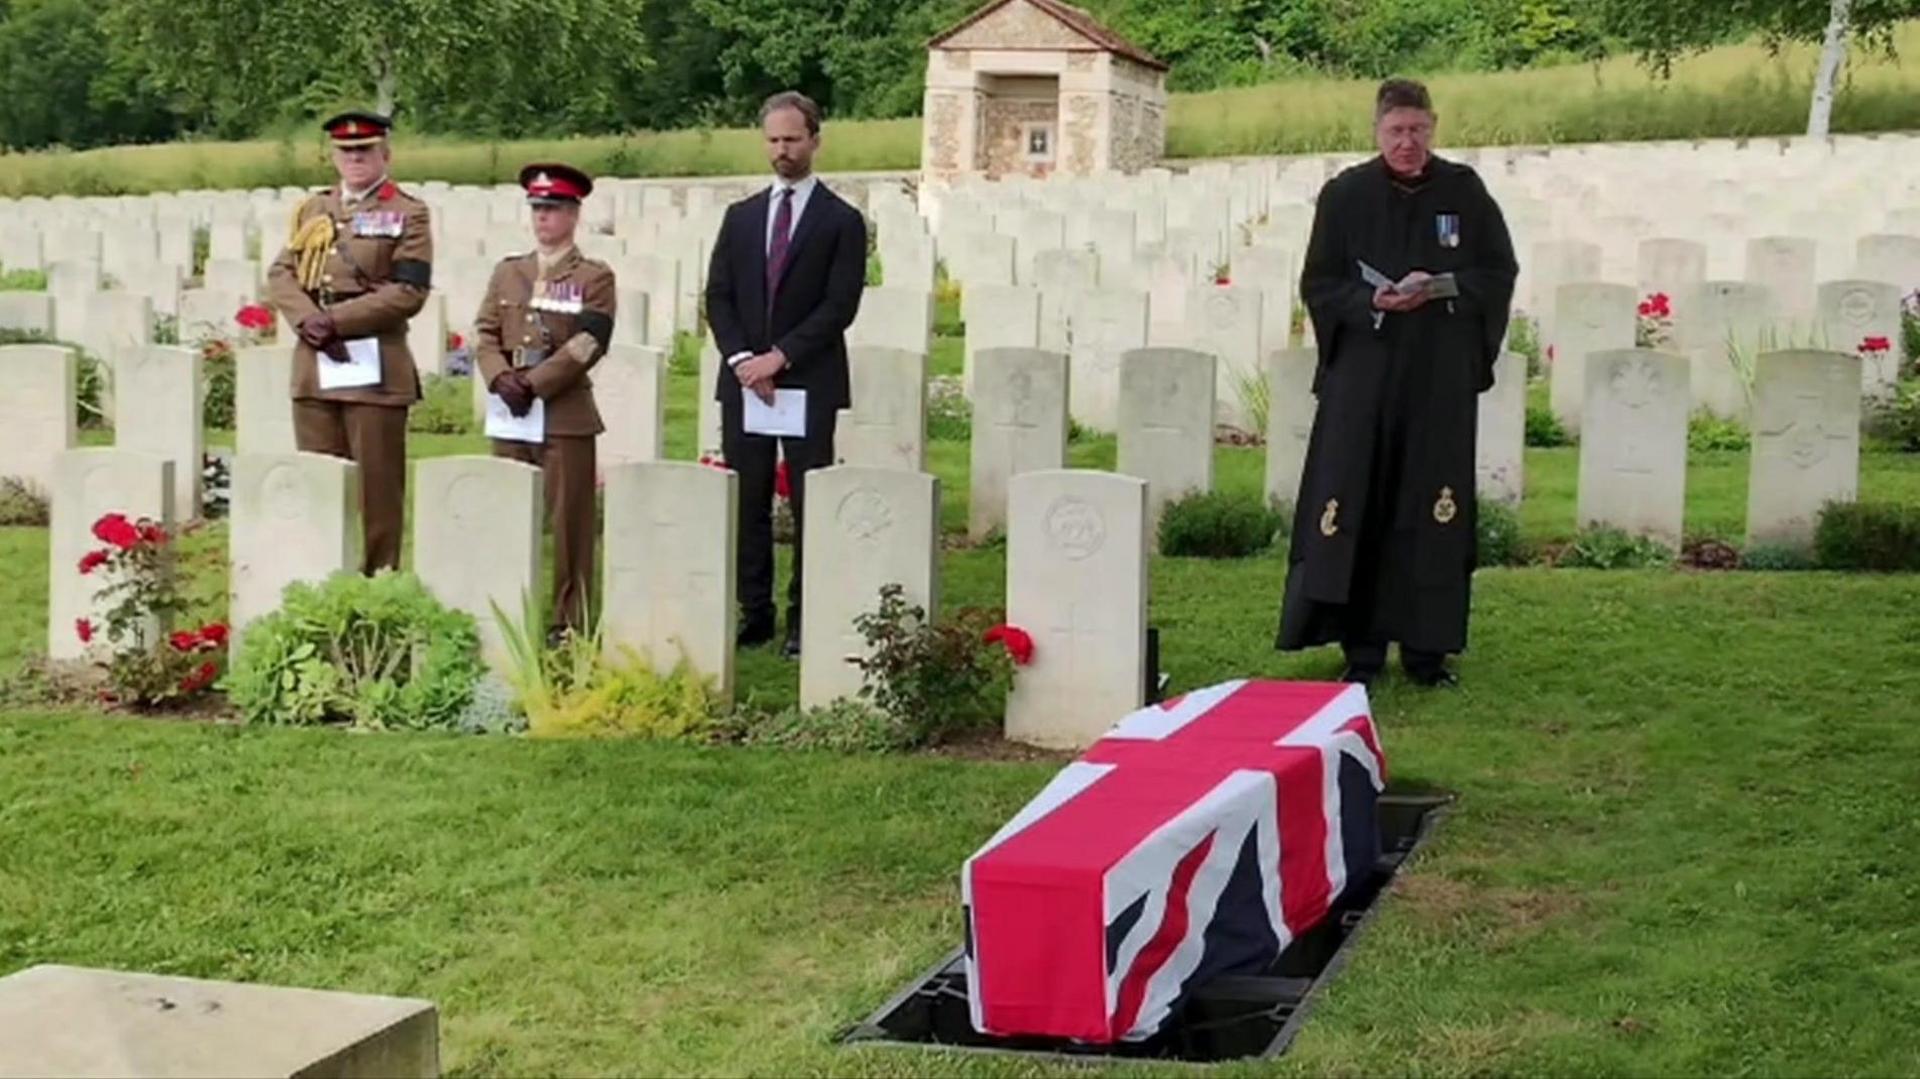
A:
(1684, 841)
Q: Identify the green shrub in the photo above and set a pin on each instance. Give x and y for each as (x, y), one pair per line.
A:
(1708, 433)
(1543, 428)
(89, 390)
(216, 374)
(933, 680)
(1611, 548)
(23, 280)
(1910, 323)
(1895, 420)
(22, 502)
(845, 726)
(685, 360)
(580, 689)
(1498, 532)
(1523, 336)
(445, 407)
(949, 413)
(1776, 558)
(947, 321)
(1878, 536)
(378, 652)
(492, 710)
(1217, 524)
(166, 330)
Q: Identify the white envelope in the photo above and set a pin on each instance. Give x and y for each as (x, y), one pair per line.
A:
(361, 369)
(786, 416)
(504, 425)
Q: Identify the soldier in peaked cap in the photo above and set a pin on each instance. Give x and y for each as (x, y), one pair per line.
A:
(546, 320)
(356, 268)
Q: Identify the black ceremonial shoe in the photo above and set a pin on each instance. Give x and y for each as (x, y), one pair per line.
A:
(755, 630)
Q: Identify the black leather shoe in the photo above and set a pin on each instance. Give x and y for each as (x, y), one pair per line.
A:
(755, 630)
(1360, 676)
(1433, 677)
(790, 648)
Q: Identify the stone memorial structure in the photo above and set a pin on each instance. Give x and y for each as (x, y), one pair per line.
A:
(1500, 445)
(672, 530)
(887, 425)
(1290, 409)
(1166, 424)
(458, 500)
(629, 386)
(294, 517)
(1035, 87)
(1633, 455)
(36, 410)
(1019, 425)
(1806, 443)
(157, 411)
(88, 485)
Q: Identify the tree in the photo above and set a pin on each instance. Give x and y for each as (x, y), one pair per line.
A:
(1661, 31)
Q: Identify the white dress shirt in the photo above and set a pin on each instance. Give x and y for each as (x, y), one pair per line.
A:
(802, 192)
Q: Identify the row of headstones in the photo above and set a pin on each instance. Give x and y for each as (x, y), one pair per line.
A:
(1716, 321)
(1076, 564)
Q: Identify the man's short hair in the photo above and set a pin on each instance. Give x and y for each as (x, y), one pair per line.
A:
(1401, 94)
(797, 101)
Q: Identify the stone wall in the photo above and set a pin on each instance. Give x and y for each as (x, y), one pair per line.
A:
(1001, 133)
(1019, 26)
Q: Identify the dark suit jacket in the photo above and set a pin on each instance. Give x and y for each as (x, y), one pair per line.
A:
(818, 296)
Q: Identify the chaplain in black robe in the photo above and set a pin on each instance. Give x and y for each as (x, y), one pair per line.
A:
(1383, 538)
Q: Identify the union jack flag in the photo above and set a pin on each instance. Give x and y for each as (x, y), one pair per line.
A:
(1197, 839)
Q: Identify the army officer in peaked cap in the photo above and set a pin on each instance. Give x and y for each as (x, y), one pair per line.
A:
(356, 268)
(546, 320)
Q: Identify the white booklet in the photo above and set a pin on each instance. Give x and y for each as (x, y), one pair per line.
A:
(786, 416)
(1437, 287)
(361, 369)
(504, 425)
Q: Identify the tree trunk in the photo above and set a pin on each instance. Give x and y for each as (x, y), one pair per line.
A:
(385, 80)
(1833, 54)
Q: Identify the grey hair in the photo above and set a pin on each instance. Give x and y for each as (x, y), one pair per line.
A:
(798, 102)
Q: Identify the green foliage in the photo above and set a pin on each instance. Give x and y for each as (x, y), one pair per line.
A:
(492, 709)
(1877, 536)
(378, 652)
(1895, 420)
(949, 413)
(1497, 528)
(847, 725)
(1611, 548)
(1523, 336)
(1910, 325)
(1255, 397)
(1776, 558)
(685, 358)
(578, 689)
(1218, 524)
(138, 589)
(23, 280)
(166, 330)
(934, 680)
(947, 320)
(217, 378)
(1707, 433)
(1544, 430)
(445, 407)
(67, 83)
(22, 502)
(90, 383)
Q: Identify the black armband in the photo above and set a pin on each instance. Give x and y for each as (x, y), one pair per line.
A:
(413, 272)
(599, 326)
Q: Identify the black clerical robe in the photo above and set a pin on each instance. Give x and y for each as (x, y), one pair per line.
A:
(1383, 541)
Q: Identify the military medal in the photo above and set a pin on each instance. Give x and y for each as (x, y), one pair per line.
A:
(1445, 508)
(1447, 228)
(384, 223)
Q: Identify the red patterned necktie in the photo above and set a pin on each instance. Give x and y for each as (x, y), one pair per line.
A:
(777, 248)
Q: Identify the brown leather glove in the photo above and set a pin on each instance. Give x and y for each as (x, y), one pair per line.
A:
(513, 388)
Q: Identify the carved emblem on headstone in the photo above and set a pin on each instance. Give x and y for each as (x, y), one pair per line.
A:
(284, 493)
(1075, 527)
(864, 515)
(1856, 306)
(1636, 383)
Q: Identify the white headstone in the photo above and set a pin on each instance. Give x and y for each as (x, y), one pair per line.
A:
(206, 313)
(1019, 425)
(1785, 266)
(629, 387)
(1290, 411)
(865, 528)
(1723, 326)
(1589, 317)
(893, 317)
(887, 425)
(1225, 320)
(459, 501)
(672, 530)
(28, 311)
(999, 316)
(294, 517)
(1806, 442)
(36, 410)
(1077, 583)
(19, 246)
(977, 258)
(1853, 313)
(238, 276)
(907, 259)
(427, 336)
(1671, 267)
(659, 278)
(157, 394)
(70, 282)
(708, 435)
(262, 413)
(1061, 275)
(1890, 258)
(1166, 424)
(1633, 449)
(88, 485)
(631, 327)
(1500, 444)
(1105, 324)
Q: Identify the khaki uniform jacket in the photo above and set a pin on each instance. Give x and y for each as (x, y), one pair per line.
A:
(372, 286)
(508, 322)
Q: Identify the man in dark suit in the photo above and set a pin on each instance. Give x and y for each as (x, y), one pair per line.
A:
(785, 282)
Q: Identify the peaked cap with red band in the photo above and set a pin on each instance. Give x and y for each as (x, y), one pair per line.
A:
(555, 185)
(351, 129)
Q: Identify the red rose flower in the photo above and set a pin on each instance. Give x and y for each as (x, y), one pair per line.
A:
(1549, 353)
(83, 629)
(214, 633)
(200, 678)
(153, 534)
(712, 460)
(1875, 344)
(254, 317)
(182, 641)
(782, 482)
(455, 342)
(91, 561)
(1222, 279)
(1018, 642)
(115, 529)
